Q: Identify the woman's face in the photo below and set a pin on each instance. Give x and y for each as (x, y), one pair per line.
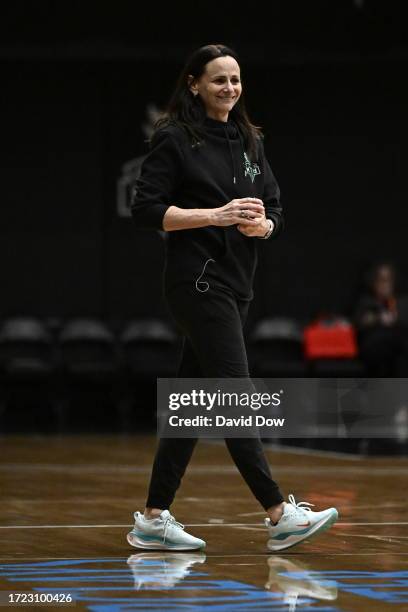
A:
(383, 285)
(219, 87)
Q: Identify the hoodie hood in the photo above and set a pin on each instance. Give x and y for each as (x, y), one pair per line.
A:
(227, 130)
(216, 126)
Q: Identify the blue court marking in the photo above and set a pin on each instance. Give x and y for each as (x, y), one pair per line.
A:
(107, 589)
(390, 587)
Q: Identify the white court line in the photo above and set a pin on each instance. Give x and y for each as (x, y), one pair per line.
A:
(299, 450)
(354, 507)
(70, 526)
(388, 538)
(385, 523)
(312, 452)
(126, 500)
(296, 555)
(67, 468)
(187, 525)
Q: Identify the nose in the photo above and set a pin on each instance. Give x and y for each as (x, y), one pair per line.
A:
(229, 87)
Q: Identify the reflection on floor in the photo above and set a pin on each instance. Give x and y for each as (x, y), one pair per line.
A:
(67, 504)
(149, 581)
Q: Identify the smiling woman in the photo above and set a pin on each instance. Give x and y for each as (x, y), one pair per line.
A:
(208, 184)
(219, 87)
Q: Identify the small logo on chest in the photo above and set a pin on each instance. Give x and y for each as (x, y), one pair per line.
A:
(251, 169)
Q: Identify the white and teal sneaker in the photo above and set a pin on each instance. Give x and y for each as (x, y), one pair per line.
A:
(162, 533)
(297, 523)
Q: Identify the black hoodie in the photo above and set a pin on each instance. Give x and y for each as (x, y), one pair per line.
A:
(205, 175)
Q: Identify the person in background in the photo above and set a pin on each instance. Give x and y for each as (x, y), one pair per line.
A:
(381, 321)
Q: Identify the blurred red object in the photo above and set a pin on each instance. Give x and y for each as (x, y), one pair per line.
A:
(330, 338)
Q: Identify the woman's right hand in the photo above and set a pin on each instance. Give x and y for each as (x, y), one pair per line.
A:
(230, 213)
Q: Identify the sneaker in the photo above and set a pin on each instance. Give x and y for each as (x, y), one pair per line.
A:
(297, 523)
(162, 533)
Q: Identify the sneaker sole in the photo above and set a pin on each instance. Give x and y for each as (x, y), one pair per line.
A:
(318, 528)
(136, 542)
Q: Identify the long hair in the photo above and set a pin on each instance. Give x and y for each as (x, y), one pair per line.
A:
(188, 111)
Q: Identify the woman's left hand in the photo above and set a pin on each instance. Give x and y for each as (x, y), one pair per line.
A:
(259, 229)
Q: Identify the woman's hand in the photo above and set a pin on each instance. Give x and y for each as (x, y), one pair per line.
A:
(259, 229)
(248, 213)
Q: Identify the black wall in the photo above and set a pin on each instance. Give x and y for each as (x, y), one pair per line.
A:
(335, 132)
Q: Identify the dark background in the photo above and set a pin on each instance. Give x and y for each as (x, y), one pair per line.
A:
(327, 82)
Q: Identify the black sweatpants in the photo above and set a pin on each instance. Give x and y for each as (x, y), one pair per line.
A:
(213, 346)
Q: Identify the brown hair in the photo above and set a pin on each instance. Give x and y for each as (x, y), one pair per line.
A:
(188, 111)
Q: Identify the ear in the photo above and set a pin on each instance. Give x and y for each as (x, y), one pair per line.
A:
(192, 85)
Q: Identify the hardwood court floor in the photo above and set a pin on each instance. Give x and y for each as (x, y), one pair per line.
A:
(67, 503)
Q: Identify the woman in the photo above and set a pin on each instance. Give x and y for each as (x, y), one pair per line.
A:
(207, 183)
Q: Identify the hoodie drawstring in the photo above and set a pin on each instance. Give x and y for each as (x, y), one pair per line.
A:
(232, 155)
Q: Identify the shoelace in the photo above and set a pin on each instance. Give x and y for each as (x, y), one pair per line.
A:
(170, 521)
(303, 505)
